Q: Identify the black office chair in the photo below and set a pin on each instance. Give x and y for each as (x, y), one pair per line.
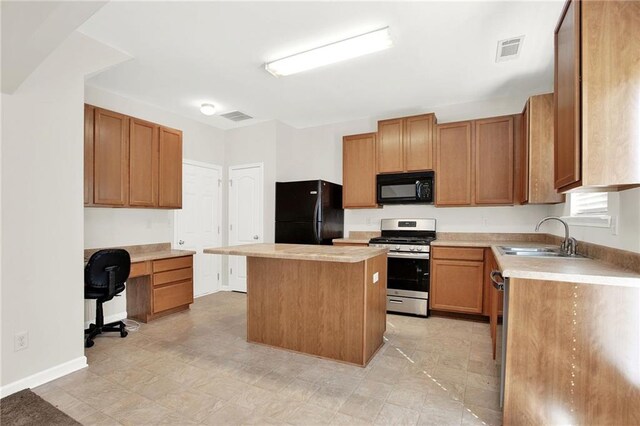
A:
(104, 278)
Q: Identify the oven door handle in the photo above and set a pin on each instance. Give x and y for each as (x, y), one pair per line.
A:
(396, 255)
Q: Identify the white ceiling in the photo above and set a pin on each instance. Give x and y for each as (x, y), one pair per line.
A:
(186, 53)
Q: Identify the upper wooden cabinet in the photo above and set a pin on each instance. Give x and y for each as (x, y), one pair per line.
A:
(359, 171)
(494, 160)
(597, 117)
(454, 164)
(474, 162)
(534, 176)
(170, 188)
(406, 144)
(143, 163)
(110, 158)
(130, 162)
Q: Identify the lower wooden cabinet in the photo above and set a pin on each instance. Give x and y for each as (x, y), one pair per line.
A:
(457, 279)
(159, 287)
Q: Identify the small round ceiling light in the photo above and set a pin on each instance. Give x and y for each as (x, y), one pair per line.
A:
(208, 109)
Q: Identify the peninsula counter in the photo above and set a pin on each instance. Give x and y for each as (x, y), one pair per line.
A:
(325, 301)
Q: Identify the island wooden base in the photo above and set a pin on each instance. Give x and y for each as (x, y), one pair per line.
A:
(328, 309)
(573, 354)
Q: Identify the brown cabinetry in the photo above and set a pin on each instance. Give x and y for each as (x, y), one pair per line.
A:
(130, 162)
(160, 287)
(143, 163)
(110, 158)
(494, 160)
(170, 187)
(534, 176)
(474, 162)
(454, 164)
(359, 171)
(596, 117)
(406, 144)
(457, 279)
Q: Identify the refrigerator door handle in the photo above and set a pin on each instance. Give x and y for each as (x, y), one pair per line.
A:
(316, 223)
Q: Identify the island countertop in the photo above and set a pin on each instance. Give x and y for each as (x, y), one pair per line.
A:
(344, 254)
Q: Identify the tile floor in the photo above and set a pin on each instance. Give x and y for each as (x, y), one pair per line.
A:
(195, 367)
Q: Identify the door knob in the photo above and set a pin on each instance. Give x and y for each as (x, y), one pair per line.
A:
(181, 242)
(255, 237)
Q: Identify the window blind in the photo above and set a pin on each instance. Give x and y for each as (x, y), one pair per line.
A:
(590, 203)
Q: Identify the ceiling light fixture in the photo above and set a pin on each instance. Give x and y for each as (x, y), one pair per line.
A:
(353, 47)
(208, 109)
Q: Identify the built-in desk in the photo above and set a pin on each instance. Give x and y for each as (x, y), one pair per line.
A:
(160, 282)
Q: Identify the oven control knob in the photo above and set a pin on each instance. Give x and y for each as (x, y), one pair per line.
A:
(412, 248)
(419, 248)
(397, 247)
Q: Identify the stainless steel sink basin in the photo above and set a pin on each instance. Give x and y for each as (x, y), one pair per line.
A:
(536, 252)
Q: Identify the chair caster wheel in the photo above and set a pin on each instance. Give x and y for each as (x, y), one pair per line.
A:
(124, 333)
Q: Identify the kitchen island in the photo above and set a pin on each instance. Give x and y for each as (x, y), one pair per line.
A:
(325, 301)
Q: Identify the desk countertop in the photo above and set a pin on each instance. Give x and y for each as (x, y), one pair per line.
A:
(146, 252)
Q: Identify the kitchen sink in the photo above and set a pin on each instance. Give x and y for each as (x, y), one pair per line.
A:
(536, 252)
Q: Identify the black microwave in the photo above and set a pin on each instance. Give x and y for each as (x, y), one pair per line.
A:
(405, 188)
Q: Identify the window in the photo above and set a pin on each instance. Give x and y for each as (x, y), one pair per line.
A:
(589, 209)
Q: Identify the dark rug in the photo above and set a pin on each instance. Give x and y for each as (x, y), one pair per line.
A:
(27, 408)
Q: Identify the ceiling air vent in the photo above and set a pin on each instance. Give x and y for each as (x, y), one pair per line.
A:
(509, 48)
(236, 116)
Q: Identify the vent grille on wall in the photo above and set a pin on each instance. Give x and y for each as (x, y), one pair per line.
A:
(236, 116)
(509, 48)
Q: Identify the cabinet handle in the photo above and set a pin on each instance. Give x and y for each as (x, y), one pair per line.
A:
(499, 285)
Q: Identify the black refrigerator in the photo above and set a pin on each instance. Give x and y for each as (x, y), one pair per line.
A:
(308, 212)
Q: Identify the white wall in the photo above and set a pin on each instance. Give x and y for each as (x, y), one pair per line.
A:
(105, 227)
(624, 208)
(42, 209)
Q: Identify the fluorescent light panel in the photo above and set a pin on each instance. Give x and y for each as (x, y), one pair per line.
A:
(353, 47)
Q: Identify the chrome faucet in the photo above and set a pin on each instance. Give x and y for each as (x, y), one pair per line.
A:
(569, 244)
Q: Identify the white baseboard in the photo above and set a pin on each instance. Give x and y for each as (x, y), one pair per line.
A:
(206, 294)
(109, 318)
(44, 376)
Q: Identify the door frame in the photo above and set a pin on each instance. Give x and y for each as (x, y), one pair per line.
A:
(220, 170)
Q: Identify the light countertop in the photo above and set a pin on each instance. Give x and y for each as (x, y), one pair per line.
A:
(146, 252)
(345, 254)
(358, 237)
(578, 270)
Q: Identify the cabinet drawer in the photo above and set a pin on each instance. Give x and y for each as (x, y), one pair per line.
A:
(457, 253)
(160, 278)
(172, 296)
(173, 263)
(139, 269)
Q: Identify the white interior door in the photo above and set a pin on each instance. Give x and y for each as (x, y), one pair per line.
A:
(246, 217)
(197, 224)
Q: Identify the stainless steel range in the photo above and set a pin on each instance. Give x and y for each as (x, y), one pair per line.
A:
(409, 244)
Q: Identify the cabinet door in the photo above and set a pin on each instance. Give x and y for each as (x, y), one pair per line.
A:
(418, 142)
(521, 153)
(389, 146)
(456, 286)
(567, 98)
(170, 168)
(88, 153)
(539, 137)
(494, 161)
(111, 162)
(454, 164)
(359, 171)
(143, 163)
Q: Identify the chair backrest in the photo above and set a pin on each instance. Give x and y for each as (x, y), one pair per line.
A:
(103, 264)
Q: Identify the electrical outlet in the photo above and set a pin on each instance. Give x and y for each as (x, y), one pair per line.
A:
(21, 341)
